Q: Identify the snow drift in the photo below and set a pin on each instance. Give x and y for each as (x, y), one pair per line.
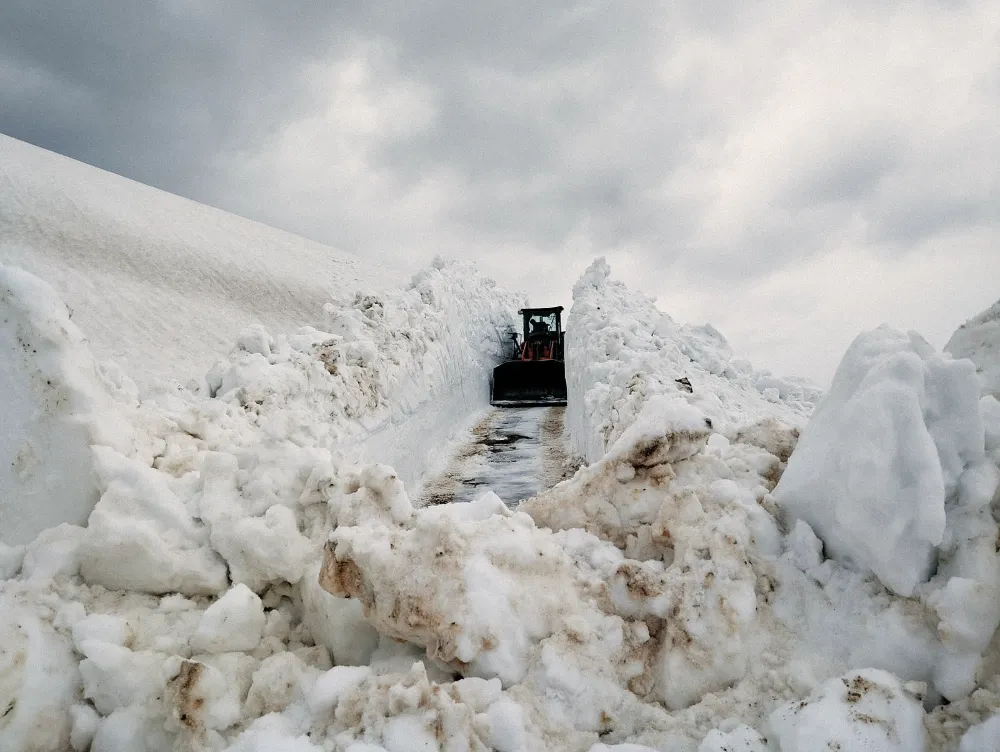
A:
(195, 494)
(254, 575)
(621, 350)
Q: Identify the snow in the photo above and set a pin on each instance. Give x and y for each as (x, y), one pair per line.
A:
(234, 623)
(156, 280)
(57, 406)
(978, 339)
(983, 737)
(862, 710)
(621, 350)
(742, 563)
(37, 680)
(883, 451)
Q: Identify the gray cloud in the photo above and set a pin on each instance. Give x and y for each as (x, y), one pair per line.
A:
(155, 90)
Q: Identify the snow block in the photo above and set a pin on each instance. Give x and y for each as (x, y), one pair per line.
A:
(142, 537)
(867, 709)
(38, 682)
(54, 407)
(883, 450)
(235, 622)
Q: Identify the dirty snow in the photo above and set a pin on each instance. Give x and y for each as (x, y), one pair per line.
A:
(238, 563)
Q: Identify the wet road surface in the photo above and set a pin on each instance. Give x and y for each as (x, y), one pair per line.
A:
(515, 452)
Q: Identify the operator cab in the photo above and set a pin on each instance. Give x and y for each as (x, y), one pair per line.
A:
(543, 335)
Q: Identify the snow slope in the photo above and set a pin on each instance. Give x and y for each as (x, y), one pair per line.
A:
(978, 339)
(157, 282)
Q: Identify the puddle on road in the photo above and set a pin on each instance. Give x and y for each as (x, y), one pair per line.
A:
(515, 452)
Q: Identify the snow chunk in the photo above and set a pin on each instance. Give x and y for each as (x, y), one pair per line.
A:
(804, 549)
(54, 407)
(10, 560)
(868, 709)
(258, 550)
(235, 622)
(115, 677)
(740, 739)
(983, 737)
(204, 696)
(273, 732)
(274, 684)
(882, 452)
(507, 726)
(85, 723)
(54, 553)
(38, 682)
(137, 728)
(107, 628)
(331, 686)
(255, 339)
(476, 592)
(666, 430)
(336, 623)
(142, 537)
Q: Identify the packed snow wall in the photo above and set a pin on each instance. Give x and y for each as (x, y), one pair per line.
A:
(386, 381)
(621, 351)
(57, 403)
(185, 493)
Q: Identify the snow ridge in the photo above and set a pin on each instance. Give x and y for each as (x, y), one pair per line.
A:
(621, 350)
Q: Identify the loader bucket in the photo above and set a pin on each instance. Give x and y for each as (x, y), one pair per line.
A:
(524, 383)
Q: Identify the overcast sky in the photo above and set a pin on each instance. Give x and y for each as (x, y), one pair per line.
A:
(793, 172)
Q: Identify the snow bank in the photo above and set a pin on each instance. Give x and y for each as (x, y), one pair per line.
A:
(893, 476)
(978, 339)
(176, 616)
(621, 350)
(391, 372)
(56, 404)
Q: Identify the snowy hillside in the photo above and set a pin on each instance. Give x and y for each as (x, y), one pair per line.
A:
(979, 340)
(158, 282)
(236, 564)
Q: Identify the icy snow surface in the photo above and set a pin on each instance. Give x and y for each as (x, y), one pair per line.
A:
(253, 573)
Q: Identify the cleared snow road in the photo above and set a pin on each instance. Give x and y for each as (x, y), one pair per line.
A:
(515, 452)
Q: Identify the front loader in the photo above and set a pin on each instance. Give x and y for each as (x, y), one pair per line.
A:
(538, 375)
